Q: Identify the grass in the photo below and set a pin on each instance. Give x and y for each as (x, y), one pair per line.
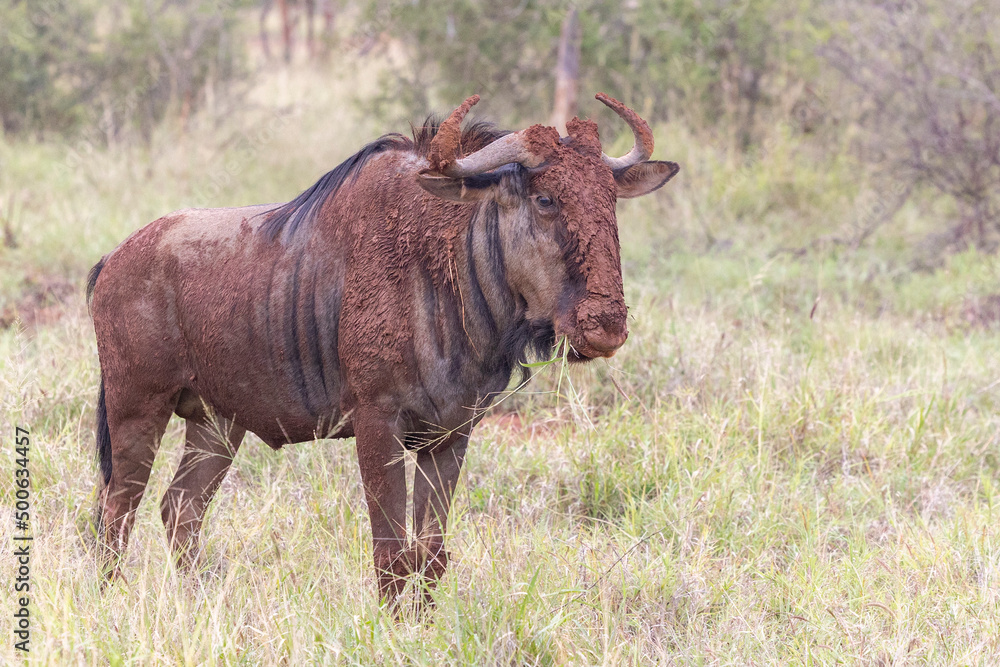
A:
(805, 470)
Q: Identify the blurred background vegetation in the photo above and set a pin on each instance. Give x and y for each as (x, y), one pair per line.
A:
(904, 90)
(120, 66)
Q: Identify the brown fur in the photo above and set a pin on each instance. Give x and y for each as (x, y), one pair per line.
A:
(367, 306)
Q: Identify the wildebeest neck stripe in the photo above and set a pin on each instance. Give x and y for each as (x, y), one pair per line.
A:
(493, 243)
(479, 304)
(312, 337)
(292, 342)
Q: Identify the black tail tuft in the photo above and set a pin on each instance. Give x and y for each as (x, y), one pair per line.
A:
(92, 278)
(103, 436)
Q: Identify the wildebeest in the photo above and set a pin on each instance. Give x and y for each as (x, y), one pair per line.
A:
(391, 301)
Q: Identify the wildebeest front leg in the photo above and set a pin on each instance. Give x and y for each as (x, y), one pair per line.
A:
(434, 482)
(209, 448)
(383, 472)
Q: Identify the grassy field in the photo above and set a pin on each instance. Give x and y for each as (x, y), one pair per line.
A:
(799, 464)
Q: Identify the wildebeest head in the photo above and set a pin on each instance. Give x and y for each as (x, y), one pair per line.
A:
(555, 200)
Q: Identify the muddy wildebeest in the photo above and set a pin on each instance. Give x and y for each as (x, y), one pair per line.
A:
(391, 301)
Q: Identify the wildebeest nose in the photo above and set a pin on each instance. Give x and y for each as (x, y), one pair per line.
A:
(606, 341)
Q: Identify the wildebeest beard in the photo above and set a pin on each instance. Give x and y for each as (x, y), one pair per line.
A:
(528, 339)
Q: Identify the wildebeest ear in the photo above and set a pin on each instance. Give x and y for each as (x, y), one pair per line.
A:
(469, 189)
(641, 179)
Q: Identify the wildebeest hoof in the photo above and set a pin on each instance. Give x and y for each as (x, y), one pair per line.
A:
(114, 576)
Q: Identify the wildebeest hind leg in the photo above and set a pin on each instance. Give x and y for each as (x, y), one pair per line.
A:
(209, 448)
(135, 432)
(434, 482)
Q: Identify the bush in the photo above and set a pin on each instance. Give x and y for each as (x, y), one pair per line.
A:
(115, 67)
(42, 52)
(929, 77)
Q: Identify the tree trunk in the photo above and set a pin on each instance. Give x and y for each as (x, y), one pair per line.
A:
(567, 71)
(286, 28)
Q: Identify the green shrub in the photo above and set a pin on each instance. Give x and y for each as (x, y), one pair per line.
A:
(112, 69)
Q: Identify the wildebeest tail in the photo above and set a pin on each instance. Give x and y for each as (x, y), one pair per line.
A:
(92, 278)
(103, 436)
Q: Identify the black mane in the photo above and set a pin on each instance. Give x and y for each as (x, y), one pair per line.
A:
(299, 212)
(303, 209)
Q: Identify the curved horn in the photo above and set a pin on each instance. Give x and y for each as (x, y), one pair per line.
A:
(643, 147)
(505, 150)
(444, 146)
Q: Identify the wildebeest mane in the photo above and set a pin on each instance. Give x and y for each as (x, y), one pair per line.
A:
(302, 210)
(475, 135)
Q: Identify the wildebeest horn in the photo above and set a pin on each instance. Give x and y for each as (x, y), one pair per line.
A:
(505, 150)
(643, 146)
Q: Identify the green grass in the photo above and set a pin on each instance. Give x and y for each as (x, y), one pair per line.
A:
(805, 470)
